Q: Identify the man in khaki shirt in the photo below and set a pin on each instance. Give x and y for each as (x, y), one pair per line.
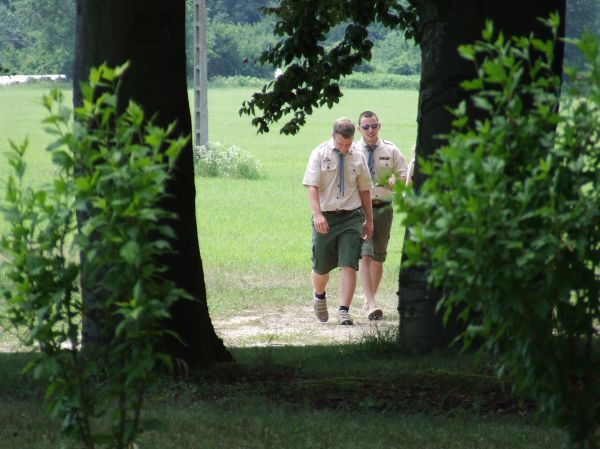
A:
(386, 165)
(339, 195)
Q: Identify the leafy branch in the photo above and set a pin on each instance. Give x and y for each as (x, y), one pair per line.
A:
(310, 72)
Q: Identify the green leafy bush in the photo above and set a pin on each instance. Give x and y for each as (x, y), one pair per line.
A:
(380, 81)
(111, 170)
(358, 80)
(214, 160)
(508, 223)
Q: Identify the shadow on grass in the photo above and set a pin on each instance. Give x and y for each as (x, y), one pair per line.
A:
(355, 377)
(404, 396)
(337, 377)
(15, 384)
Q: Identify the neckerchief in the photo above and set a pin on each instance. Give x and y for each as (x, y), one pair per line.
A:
(341, 171)
(370, 161)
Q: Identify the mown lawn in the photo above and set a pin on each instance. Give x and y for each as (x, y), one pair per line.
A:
(254, 235)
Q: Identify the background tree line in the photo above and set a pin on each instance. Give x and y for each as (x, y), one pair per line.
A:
(37, 37)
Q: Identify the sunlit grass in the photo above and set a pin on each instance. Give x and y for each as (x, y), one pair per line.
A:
(254, 234)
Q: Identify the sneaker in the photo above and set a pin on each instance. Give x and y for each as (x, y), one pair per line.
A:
(344, 318)
(374, 313)
(320, 306)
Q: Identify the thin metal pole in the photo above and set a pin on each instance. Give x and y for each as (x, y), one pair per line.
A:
(200, 74)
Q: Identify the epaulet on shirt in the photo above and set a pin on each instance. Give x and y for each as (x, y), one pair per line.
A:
(387, 142)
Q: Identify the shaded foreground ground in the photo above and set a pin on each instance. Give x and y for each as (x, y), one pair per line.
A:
(301, 384)
(366, 394)
(361, 395)
(436, 392)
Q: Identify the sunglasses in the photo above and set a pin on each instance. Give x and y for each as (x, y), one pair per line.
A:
(366, 127)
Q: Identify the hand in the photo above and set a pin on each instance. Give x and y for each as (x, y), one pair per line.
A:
(320, 222)
(391, 182)
(367, 230)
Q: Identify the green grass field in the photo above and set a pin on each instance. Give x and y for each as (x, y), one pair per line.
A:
(254, 234)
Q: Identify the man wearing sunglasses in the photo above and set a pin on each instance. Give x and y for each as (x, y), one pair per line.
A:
(386, 165)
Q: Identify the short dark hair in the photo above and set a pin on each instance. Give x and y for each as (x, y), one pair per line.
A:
(344, 127)
(367, 114)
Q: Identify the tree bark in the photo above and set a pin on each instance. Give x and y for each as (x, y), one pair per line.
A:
(150, 34)
(444, 25)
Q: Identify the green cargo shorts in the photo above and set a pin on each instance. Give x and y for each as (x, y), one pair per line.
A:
(382, 226)
(340, 247)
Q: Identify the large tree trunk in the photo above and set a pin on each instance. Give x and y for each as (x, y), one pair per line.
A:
(150, 34)
(446, 24)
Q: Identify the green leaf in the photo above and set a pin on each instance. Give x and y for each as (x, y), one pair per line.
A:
(131, 253)
(488, 31)
(467, 52)
(482, 103)
(121, 69)
(474, 84)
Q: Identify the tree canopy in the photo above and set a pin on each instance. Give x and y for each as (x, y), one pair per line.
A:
(36, 37)
(311, 71)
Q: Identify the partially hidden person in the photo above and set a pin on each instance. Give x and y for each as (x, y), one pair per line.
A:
(387, 166)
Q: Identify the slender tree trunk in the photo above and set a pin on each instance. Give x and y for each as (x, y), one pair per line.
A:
(444, 25)
(150, 34)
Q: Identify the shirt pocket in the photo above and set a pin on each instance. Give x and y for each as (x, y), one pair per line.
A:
(385, 163)
(328, 170)
(328, 165)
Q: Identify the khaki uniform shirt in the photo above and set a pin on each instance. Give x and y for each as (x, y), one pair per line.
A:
(322, 172)
(387, 161)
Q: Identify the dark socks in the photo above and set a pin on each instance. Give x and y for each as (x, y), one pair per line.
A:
(320, 295)
(344, 308)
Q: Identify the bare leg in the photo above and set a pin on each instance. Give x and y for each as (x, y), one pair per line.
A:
(376, 275)
(371, 272)
(319, 282)
(366, 279)
(347, 285)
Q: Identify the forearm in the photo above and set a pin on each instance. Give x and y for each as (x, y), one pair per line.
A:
(313, 200)
(400, 167)
(365, 200)
(319, 220)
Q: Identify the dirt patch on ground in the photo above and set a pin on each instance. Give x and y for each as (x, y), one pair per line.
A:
(297, 325)
(293, 325)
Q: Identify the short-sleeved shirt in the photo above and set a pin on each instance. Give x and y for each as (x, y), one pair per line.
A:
(387, 161)
(322, 172)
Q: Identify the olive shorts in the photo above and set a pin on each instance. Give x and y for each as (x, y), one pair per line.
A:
(382, 225)
(340, 247)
